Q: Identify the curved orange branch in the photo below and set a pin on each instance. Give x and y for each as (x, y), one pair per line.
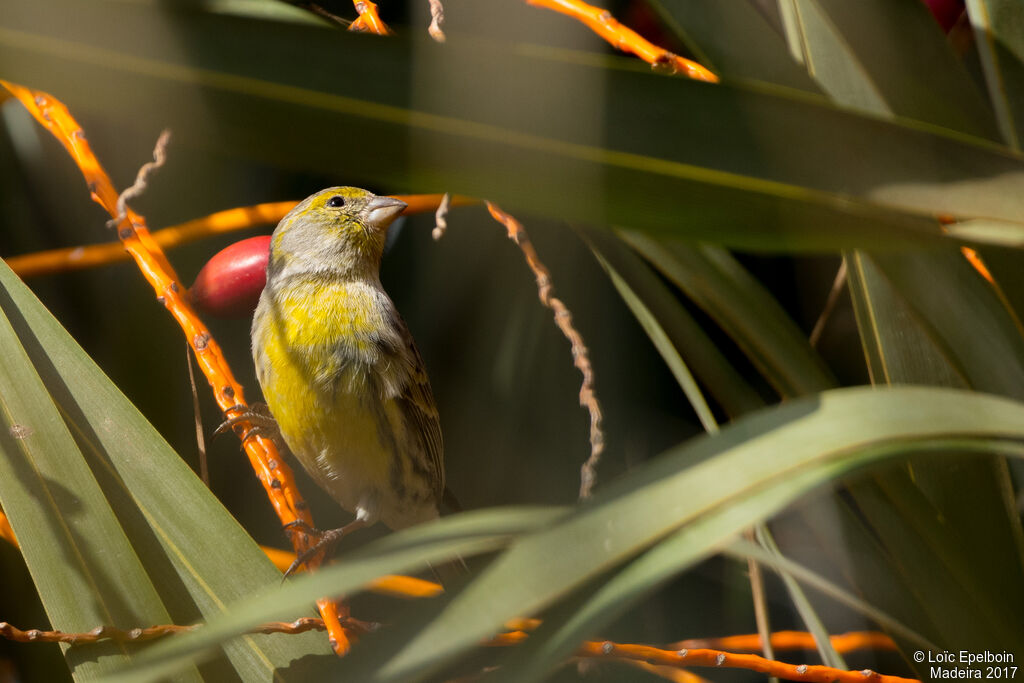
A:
(670, 664)
(369, 19)
(222, 222)
(273, 472)
(6, 532)
(793, 640)
(398, 586)
(601, 22)
(730, 660)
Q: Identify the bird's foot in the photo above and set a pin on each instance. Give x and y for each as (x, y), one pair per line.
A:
(324, 543)
(260, 418)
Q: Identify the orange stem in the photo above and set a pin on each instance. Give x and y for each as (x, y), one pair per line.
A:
(6, 532)
(670, 664)
(718, 658)
(398, 586)
(601, 22)
(405, 587)
(273, 472)
(368, 19)
(975, 260)
(793, 640)
(231, 220)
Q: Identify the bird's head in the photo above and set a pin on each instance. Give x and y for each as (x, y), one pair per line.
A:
(340, 229)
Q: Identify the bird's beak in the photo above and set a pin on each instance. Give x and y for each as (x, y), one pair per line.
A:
(380, 211)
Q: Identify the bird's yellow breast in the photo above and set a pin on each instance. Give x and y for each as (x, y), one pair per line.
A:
(319, 379)
(321, 314)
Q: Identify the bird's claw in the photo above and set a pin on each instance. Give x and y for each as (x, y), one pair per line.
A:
(324, 543)
(259, 416)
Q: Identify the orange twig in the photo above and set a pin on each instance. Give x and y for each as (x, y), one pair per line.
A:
(231, 220)
(6, 532)
(405, 587)
(76, 258)
(422, 203)
(970, 254)
(718, 658)
(792, 640)
(282, 559)
(398, 586)
(656, 660)
(975, 260)
(274, 474)
(368, 19)
(588, 399)
(601, 22)
(139, 635)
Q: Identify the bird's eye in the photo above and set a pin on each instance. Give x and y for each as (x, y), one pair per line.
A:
(336, 200)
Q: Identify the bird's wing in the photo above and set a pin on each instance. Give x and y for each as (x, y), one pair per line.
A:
(417, 402)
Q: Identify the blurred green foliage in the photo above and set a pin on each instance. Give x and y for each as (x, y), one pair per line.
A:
(838, 132)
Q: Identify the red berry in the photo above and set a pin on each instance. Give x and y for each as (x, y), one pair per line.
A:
(230, 283)
(946, 12)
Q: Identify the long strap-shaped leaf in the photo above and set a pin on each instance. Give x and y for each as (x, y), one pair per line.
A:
(925, 317)
(195, 553)
(715, 486)
(999, 30)
(673, 331)
(80, 559)
(706, 161)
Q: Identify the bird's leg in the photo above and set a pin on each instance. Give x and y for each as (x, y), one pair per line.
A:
(325, 540)
(261, 419)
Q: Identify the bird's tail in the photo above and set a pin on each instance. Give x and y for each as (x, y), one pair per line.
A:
(454, 571)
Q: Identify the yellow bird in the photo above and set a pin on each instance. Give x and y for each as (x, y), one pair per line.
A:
(338, 368)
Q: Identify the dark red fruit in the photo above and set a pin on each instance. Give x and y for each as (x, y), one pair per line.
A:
(230, 283)
(946, 12)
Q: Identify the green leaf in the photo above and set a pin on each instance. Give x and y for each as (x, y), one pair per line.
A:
(963, 316)
(741, 305)
(746, 550)
(931, 318)
(735, 40)
(890, 57)
(652, 569)
(265, 9)
(937, 557)
(897, 348)
(713, 485)
(989, 232)
(673, 331)
(458, 535)
(84, 566)
(195, 553)
(867, 568)
(706, 159)
(1007, 268)
(914, 329)
(999, 33)
(735, 296)
(811, 440)
(802, 605)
